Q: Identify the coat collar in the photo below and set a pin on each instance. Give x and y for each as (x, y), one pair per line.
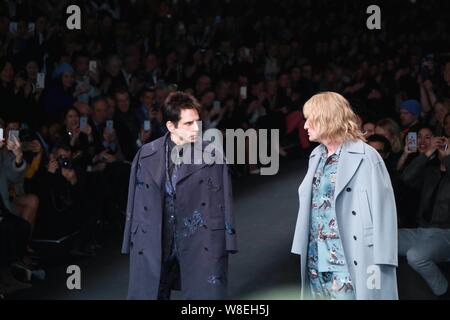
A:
(351, 156)
(152, 159)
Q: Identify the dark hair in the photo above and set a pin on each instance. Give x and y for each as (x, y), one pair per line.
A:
(177, 101)
(379, 138)
(80, 54)
(68, 110)
(98, 99)
(425, 126)
(145, 90)
(61, 145)
(445, 118)
(121, 90)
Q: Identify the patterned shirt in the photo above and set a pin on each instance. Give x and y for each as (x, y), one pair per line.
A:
(325, 251)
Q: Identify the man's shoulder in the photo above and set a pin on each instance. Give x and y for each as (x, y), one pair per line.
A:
(151, 147)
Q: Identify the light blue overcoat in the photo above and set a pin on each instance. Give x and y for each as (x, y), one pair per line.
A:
(367, 220)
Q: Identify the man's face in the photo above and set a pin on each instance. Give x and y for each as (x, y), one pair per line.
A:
(313, 133)
(188, 127)
(379, 146)
(7, 74)
(307, 72)
(406, 118)
(447, 126)
(114, 66)
(123, 102)
(447, 72)
(68, 79)
(61, 153)
(32, 68)
(368, 129)
(100, 114)
(82, 65)
(147, 99)
(41, 24)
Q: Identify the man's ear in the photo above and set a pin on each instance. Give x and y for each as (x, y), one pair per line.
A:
(170, 126)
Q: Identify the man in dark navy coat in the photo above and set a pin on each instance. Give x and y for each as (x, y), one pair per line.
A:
(179, 227)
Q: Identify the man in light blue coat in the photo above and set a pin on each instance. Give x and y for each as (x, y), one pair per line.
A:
(346, 232)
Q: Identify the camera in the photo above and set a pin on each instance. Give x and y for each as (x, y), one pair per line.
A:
(65, 163)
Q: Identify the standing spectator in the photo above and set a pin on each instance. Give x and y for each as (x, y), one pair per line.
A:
(409, 116)
(61, 95)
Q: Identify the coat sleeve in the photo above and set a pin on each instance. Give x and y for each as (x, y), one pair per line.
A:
(384, 215)
(130, 205)
(230, 234)
(14, 173)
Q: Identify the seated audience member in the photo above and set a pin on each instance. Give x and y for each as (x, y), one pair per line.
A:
(429, 244)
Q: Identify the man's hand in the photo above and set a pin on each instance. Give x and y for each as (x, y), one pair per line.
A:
(428, 84)
(109, 158)
(52, 165)
(444, 148)
(87, 130)
(70, 175)
(144, 136)
(109, 137)
(435, 143)
(35, 147)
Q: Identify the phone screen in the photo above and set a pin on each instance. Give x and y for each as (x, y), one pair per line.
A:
(244, 92)
(1, 133)
(83, 122)
(31, 27)
(147, 125)
(110, 125)
(13, 27)
(13, 133)
(412, 141)
(40, 80)
(93, 66)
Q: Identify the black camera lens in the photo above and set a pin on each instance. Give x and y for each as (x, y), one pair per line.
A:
(65, 163)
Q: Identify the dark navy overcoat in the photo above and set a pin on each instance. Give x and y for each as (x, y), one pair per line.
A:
(205, 225)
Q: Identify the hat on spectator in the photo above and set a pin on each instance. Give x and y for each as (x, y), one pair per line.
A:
(60, 69)
(412, 106)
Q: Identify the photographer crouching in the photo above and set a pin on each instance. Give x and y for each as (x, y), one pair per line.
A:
(63, 199)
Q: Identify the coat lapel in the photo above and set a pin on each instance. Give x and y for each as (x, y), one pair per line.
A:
(349, 161)
(195, 151)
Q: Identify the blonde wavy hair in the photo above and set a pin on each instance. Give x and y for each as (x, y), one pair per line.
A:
(333, 118)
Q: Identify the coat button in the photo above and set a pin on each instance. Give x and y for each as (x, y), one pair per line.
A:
(356, 263)
(205, 248)
(355, 238)
(147, 186)
(145, 208)
(354, 213)
(203, 204)
(201, 181)
(349, 189)
(140, 252)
